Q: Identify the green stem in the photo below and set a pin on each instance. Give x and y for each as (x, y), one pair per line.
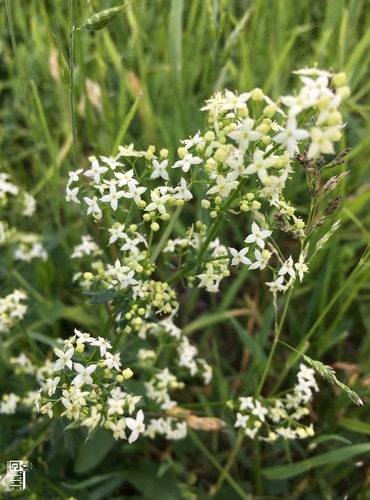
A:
(257, 467)
(162, 242)
(277, 332)
(217, 465)
(15, 50)
(71, 82)
(214, 228)
(28, 287)
(230, 462)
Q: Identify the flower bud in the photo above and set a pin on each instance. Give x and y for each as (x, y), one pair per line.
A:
(127, 373)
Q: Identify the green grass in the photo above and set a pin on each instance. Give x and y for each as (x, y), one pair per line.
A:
(175, 54)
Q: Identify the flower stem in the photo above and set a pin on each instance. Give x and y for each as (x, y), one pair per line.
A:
(217, 465)
(71, 82)
(230, 462)
(277, 332)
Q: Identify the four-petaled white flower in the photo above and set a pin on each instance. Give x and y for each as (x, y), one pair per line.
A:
(187, 162)
(136, 426)
(95, 171)
(84, 374)
(287, 268)
(240, 257)
(291, 135)
(160, 170)
(245, 134)
(113, 196)
(65, 359)
(51, 385)
(260, 165)
(158, 202)
(102, 344)
(258, 236)
(301, 267)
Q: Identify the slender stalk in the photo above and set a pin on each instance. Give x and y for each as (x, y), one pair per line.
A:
(71, 82)
(277, 332)
(230, 462)
(217, 465)
(37, 295)
(214, 228)
(163, 241)
(14, 47)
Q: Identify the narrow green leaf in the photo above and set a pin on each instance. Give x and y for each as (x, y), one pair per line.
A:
(100, 297)
(210, 319)
(175, 36)
(125, 125)
(92, 481)
(335, 456)
(352, 424)
(40, 337)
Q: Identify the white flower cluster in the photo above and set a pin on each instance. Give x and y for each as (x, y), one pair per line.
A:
(184, 359)
(89, 388)
(27, 245)
(12, 310)
(239, 166)
(86, 247)
(170, 428)
(267, 419)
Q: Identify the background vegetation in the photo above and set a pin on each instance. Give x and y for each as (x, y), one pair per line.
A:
(175, 54)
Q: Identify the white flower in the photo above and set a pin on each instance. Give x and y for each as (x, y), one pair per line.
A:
(291, 135)
(160, 170)
(51, 385)
(262, 259)
(65, 359)
(158, 203)
(92, 421)
(187, 162)
(239, 257)
(182, 192)
(71, 194)
(223, 186)
(322, 141)
(113, 197)
(84, 374)
(277, 285)
(241, 420)
(118, 428)
(260, 165)
(126, 178)
(287, 268)
(301, 267)
(83, 337)
(93, 206)
(244, 134)
(260, 411)
(95, 171)
(136, 426)
(135, 193)
(257, 235)
(102, 344)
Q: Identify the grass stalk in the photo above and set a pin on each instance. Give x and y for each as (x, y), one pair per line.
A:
(217, 465)
(71, 81)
